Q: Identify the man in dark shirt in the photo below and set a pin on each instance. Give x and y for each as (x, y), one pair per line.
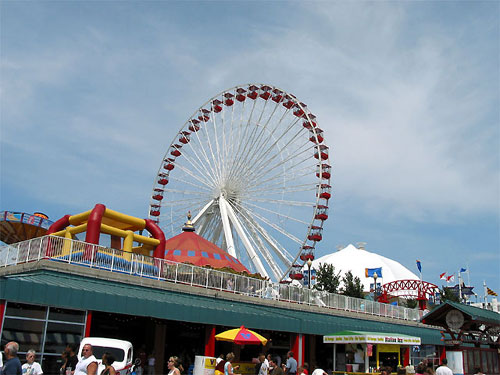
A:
(12, 366)
(276, 369)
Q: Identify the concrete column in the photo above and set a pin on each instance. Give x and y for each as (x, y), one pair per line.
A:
(160, 335)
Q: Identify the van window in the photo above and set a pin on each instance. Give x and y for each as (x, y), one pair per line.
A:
(118, 353)
(129, 355)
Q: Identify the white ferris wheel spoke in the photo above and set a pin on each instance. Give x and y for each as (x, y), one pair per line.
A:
(284, 256)
(228, 234)
(273, 225)
(250, 250)
(202, 148)
(281, 215)
(202, 212)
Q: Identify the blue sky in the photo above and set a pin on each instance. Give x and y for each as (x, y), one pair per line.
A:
(407, 93)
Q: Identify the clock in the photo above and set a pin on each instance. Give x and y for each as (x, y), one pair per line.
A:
(455, 319)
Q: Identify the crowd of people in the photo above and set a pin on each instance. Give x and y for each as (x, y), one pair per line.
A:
(265, 364)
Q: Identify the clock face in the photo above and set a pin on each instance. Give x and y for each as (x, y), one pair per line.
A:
(454, 319)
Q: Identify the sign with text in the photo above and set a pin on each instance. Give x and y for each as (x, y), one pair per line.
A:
(372, 339)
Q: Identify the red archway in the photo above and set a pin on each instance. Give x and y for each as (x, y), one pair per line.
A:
(421, 290)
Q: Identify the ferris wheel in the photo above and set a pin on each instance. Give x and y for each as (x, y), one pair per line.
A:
(252, 166)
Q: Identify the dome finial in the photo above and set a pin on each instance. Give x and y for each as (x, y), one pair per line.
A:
(188, 226)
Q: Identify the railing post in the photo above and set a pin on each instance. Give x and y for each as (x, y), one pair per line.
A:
(92, 256)
(40, 248)
(176, 271)
(29, 248)
(71, 249)
(113, 254)
(142, 264)
(192, 275)
(221, 280)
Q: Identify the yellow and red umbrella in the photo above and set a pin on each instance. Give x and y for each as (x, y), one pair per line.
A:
(241, 336)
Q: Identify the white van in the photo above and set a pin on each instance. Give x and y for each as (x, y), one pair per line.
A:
(120, 349)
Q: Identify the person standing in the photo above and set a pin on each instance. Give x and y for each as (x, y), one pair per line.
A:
(70, 360)
(219, 367)
(228, 367)
(31, 367)
(291, 364)
(151, 364)
(174, 367)
(276, 369)
(444, 369)
(12, 365)
(263, 370)
(107, 361)
(88, 364)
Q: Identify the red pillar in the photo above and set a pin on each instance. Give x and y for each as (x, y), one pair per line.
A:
(88, 323)
(210, 341)
(298, 348)
(406, 360)
(2, 313)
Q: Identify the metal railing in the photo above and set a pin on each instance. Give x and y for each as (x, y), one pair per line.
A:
(99, 257)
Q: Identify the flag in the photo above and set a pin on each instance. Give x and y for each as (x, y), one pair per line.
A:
(463, 269)
(490, 292)
(419, 266)
(370, 271)
(450, 278)
(442, 276)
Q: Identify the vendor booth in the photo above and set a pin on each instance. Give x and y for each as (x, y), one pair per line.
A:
(367, 351)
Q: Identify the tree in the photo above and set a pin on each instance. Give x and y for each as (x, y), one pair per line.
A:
(447, 294)
(411, 303)
(326, 279)
(352, 286)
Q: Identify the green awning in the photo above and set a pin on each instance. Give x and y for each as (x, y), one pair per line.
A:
(88, 293)
(363, 337)
(438, 315)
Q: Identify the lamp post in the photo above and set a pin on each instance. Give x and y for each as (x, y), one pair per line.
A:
(375, 286)
(309, 264)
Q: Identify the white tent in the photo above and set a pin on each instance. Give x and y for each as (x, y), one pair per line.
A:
(357, 260)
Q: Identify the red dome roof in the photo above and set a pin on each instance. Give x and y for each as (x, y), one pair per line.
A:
(188, 247)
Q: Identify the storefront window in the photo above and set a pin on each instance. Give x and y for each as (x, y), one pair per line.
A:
(26, 311)
(61, 334)
(28, 333)
(46, 330)
(65, 315)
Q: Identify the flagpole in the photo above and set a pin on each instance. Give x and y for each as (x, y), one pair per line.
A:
(468, 274)
(460, 286)
(485, 292)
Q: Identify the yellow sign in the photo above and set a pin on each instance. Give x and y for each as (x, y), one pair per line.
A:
(210, 363)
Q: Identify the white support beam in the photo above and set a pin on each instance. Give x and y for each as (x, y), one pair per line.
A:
(254, 258)
(228, 235)
(202, 212)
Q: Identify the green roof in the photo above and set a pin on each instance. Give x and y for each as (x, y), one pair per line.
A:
(475, 313)
(89, 293)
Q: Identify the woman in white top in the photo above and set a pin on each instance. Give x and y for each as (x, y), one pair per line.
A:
(174, 367)
(31, 367)
(88, 364)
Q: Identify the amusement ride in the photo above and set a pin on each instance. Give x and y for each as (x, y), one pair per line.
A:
(252, 165)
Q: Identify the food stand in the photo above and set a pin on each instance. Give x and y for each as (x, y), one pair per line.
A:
(367, 351)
